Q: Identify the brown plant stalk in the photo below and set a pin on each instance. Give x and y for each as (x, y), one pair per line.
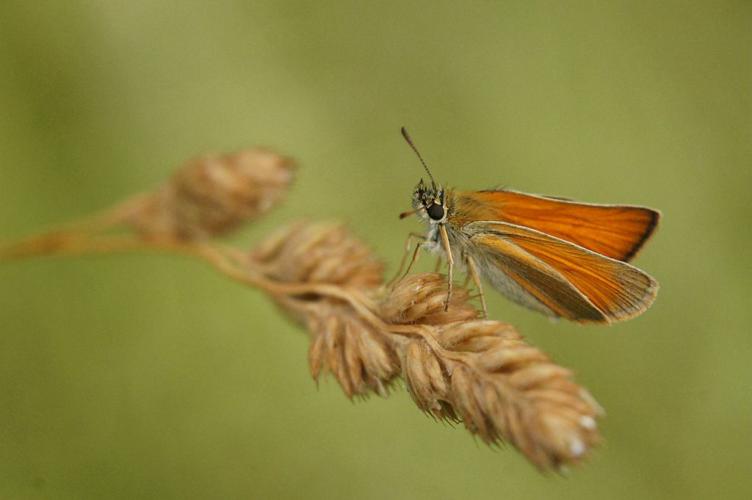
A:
(365, 333)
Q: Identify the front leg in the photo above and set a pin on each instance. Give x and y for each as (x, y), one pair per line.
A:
(410, 238)
(450, 263)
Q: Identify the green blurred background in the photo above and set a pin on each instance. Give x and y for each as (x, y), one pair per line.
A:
(149, 376)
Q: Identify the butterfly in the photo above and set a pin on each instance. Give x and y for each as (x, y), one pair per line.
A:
(563, 258)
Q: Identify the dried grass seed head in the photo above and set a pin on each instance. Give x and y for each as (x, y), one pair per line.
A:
(421, 298)
(506, 390)
(360, 356)
(212, 195)
(318, 253)
(343, 343)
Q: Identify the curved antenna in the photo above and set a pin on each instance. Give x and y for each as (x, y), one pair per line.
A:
(410, 142)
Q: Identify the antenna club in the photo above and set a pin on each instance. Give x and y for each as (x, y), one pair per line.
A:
(405, 134)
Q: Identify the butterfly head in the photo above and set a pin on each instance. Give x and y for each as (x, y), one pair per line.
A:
(429, 202)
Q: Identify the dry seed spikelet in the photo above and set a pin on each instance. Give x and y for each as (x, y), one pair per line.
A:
(343, 342)
(214, 194)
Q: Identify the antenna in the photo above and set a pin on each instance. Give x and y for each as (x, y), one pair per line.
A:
(410, 142)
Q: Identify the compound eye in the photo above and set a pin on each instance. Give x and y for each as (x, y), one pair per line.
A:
(436, 211)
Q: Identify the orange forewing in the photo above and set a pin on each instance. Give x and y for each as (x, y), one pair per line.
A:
(616, 231)
(572, 281)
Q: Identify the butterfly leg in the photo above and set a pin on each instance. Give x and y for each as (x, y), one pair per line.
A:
(410, 238)
(450, 263)
(472, 269)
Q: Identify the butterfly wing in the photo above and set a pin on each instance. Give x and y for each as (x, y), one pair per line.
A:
(616, 231)
(569, 280)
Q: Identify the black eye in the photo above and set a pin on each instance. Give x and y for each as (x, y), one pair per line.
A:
(436, 211)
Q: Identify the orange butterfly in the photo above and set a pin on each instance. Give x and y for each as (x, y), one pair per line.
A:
(562, 258)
